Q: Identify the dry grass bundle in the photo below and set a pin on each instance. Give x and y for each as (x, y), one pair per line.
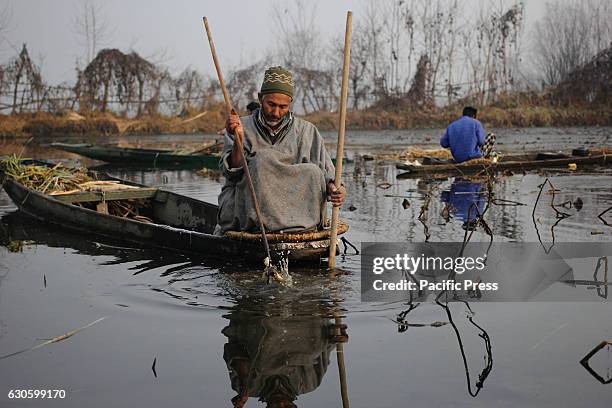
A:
(601, 150)
(413, 153)
(480, 160)
(416, 153)
(132, 208)
(96, 185)
(59, 180)
(45, 179)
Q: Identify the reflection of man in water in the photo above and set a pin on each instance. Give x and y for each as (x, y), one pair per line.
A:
(464, 198)
(276, 358)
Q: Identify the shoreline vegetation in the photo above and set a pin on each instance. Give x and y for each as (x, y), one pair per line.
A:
(119, 93)
(414, 64)
(96, 124)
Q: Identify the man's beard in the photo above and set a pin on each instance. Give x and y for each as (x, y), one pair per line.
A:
(274, 122)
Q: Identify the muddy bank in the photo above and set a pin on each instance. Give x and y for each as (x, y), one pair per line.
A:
(106, 124)
(490, 116)
(212, 120)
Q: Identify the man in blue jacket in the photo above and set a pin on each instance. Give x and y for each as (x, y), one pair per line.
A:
(466, 137)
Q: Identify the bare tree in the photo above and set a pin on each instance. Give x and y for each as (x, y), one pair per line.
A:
(418, 94)
(298, 38)
(492, 48)
(591, 83)
(360, 74)
(161, 88)
(243, 83)
(25, 82)
(115, 78)
(91, 26)
(189, 89)
(399, 36)
(373, 29)
(437, 32)
(569, 35)
(300, 49)
(366, 73)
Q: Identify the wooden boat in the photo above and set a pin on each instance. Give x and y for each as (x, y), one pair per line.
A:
(140, 157)
(178, 222)
(510, 162)
(145, 157)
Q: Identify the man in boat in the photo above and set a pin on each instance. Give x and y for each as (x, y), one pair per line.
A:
(292, 172)
(252, 107)
(466, 137)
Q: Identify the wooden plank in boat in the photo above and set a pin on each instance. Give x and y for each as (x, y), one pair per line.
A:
(108, 195)
(468, 167)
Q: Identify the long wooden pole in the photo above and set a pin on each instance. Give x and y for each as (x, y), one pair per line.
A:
(213, 51)
(238, 139)
(338, 183)
(341, 127)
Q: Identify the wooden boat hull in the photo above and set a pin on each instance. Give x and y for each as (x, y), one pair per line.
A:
(140, 157)
(146, 157)
(513, 164)
(188, 226)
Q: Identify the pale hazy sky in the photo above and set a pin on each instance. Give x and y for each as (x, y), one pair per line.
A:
(241, 29)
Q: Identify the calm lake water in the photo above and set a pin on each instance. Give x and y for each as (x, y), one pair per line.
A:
(209, 329)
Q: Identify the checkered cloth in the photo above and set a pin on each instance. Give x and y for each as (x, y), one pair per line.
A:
(487, 148)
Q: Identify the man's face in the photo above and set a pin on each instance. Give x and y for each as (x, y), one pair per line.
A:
(274, 107)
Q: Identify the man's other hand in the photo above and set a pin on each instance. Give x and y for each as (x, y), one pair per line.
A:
(336, 195)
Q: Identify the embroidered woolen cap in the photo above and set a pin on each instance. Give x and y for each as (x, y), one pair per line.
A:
(277, 80)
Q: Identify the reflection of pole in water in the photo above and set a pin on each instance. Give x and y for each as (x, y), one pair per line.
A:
(487, 342)
(600, 286)
(601, 216)
(340, 337)
(585, 362)
(560, 215)
(341, 365)
(403, 325)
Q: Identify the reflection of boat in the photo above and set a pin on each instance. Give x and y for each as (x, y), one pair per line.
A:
(17, 228)
(141, 157)
(178, 222)
(509, 162)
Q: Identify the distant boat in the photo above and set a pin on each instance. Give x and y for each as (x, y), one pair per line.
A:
(141, 157)
(134, 157)
(510, 162)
